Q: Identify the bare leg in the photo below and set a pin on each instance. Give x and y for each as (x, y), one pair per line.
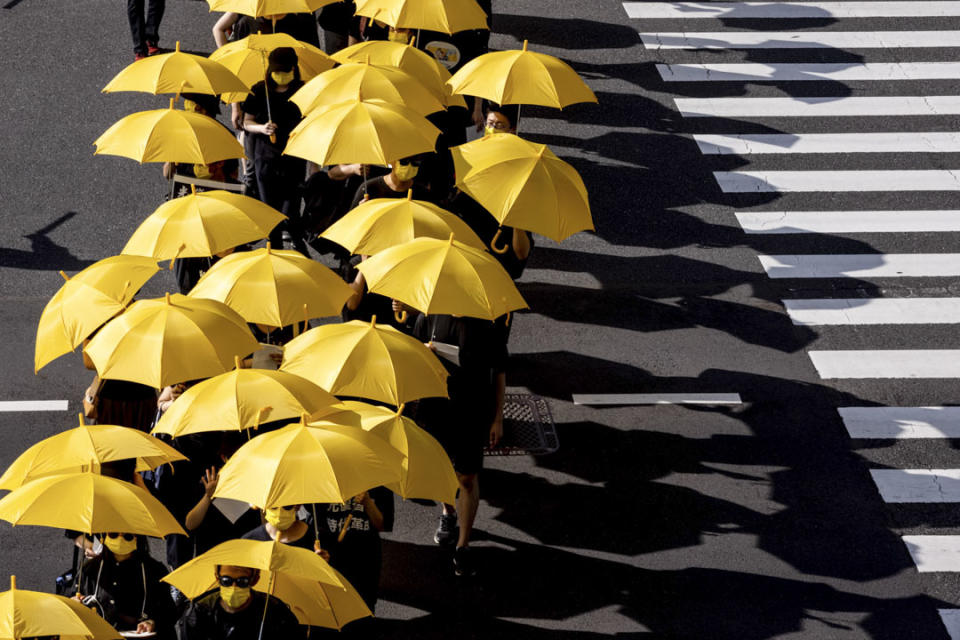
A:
(468, 502)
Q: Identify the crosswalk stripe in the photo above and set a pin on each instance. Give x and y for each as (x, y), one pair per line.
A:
(887, 363)
(951, 622)
(934, 553)
(794, 143)
(917, 485)
(856, 311)
(808, 71)
(901, 423)
(806, 181)
(33, 405)
(818, 107)
(785, 222)
(727, 10)
(656, 398)
(862, 265)
(800, 39)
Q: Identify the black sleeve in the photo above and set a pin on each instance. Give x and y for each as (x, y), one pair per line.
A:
(256, 104)
(160, 607)
(384, 500)
(283, 621)
(196, 623)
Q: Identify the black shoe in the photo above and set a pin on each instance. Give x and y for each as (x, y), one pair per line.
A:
(447, 531)
(463, 562)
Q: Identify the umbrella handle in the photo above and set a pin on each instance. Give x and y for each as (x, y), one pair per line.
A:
(493, 243)
(401, 316)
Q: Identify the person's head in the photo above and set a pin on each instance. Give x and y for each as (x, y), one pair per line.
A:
(203, 104)
(399, 35)
(281, 518)
(406, 169)
(501, 119)
(121, 545)
(235, 585)
(282, 66)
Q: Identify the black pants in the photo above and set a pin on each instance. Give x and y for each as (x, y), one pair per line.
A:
(144, 26)
(278, 180)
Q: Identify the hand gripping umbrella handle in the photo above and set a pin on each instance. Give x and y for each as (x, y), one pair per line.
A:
(493, 243)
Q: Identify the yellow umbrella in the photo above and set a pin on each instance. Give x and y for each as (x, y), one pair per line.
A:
(244, 399)
(379, 224)
(260, 8)
(84, 448)
(90, 503)
(86, 301)
(523, 184)
(302, 465)
(33, 614)
(364, 81)
(448, 16)
(316, 592)
(176, 72)
(366, 360)
(361, 132)
(443, 277)
(275, 288)
(169, 135)
(168, 340)
(202, 224)
(427, 472)
(521, 77)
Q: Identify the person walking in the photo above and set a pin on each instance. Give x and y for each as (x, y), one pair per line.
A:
(145, 17)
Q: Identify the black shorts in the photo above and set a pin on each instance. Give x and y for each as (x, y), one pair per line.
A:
(463, 437)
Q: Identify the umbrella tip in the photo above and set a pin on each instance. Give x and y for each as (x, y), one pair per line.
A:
(178, 46)
(451, 238)
(373, 321)
(171, 102)
(410, 193)
(304, 417)
(525, 44)
(400, 408)
(167, 297)
(64, 276)
(13, 582)
(236, 362)
(193, 189)
(268, 246)
(80, 419)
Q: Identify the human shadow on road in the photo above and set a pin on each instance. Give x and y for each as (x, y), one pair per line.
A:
(44, 254)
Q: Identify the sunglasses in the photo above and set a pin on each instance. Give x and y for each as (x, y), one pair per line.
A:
(496, 124)
(286, 508)
(415, 163)
(126, 536)
(228, 581)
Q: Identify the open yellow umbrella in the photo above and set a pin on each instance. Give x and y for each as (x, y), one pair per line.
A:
(34, 614)
(169, 135)
(260, 8)
(274, 287)
(381, 223)
(366, 360)
(86, 301)
(443, 277)
(164, 341)
(361, 132)
(523, 184)
(84, 448)
(426, 472)
(302, 465)
(90, 503)
(176, 72)
(244, 399)
(448, 16)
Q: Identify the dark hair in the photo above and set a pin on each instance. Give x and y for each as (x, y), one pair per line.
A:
(210, 104)
(508, 111)
(282, 59)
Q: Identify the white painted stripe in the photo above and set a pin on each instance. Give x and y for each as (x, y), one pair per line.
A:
(862, 265)
(901, 423)
(656, 398)
(951, 622)
(799, 39)
(792, 143)
(917, 485)
(851, 311)
(787, 181)
(766, 222)
(790, 71)
(934, 553)
(818, 107)
(728, 10)
(33, 405)
(891, 363)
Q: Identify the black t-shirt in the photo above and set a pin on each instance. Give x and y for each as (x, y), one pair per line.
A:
(207, 620)
(377, 188)
(337, 17)
(285, 114)
(486, 227)
(260, 533)
(299, 25)
(119, 590)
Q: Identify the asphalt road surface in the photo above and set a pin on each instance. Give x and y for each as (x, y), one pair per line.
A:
(746, 521)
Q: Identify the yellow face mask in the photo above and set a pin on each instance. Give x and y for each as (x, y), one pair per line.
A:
(397, 36)
(201, 171)
(189, 105)
(120, 546)
(280, 518)
(282, 77)
(235, 597)
(406, 171)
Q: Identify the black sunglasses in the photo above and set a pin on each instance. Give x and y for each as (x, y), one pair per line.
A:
(416, 162)
(126, 536)
(228, 581)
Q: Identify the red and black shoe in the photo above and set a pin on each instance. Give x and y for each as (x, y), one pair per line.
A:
(152, 49)
(139, 56)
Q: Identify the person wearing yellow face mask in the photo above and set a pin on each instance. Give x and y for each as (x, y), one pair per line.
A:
(395, 184)
(282, 524)
(500, 119)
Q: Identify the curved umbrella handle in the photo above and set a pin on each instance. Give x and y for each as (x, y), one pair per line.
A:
(493, 243)
(401, 317)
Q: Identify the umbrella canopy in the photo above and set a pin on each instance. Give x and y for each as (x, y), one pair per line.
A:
(366, 360)
(202, 224)
(361, 132)
(32, 614)
(168, 340)
(448, 16)
(86, 301)
(381, 223)
(302, 465)
(87, 446)
(169, 135)
(260, 8)
(275, 288)
(90, 503)
(244, 399)
(521, 77)
(364, 81)
(405, 57)
(426, 472)
(443, 277)
(523, 184)
(176, 72)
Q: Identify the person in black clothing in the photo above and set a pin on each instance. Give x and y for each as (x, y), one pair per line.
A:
(402, 177)
(283, 525)
(335, 20)
(145, 26)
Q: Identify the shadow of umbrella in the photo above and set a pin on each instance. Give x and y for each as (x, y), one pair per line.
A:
(44, 254)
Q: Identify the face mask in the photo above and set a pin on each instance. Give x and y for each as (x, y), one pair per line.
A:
(282, 77)
(189, 105)
(235, 597)
(120, 547)
(397, 36)
(405, 171)
(201, 171)
(489, 131)
(281, 518)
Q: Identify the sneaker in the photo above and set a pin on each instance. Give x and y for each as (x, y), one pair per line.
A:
(447, 531)
(139, 56)
(152, 49)
(463, 562)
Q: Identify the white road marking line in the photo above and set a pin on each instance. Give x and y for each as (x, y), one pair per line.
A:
(818, 107)
(742, 144)
(769, 222)
(655, 398)
(33, 405)
(917, 485)
(809, 71)
(951, 622)
(799, 39)
(852, 311)
(934, 553)
(726, 10)
(889, 363)
(797, 181)
(901, 423)
(862, 265)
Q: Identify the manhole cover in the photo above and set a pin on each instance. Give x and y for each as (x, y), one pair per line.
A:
(527, 427)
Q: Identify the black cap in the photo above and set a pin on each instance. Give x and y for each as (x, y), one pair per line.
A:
(283, 59)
